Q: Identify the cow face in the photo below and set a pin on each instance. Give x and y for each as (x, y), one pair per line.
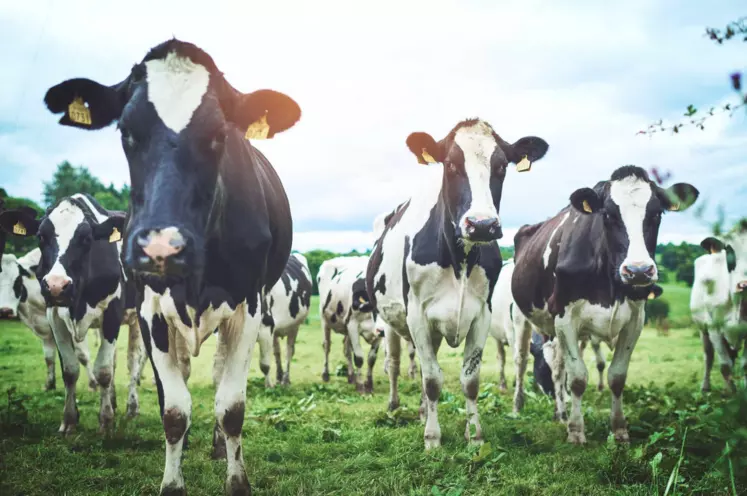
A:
(16, 222)
(11, 286)
(66, 234)
(475, 159)
(630, 207)
(180, 122)
(361, 301)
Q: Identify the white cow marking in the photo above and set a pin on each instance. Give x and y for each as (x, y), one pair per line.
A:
(175, 88)
(65, 219)
(631, 194)
(548, 249)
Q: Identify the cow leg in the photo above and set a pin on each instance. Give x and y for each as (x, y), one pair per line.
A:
(278, 357)
(708, 355)
(50, 352)
(84, 358)
(724, 358)
(135, 362)
(326, 345)
(412, 372)
(348, 352)
(427, 345)
(70, 371)
(617, 375)
(105, 365)
(357, 351)
(521, 357)
(501, 355)
(238, 336)
(386, 357)
(394, 348)
(597, 347)
(290, 350)
(470, 377)
(265, 354)
(219, 360)
(554, 359)
(372, 353)
(577, 375)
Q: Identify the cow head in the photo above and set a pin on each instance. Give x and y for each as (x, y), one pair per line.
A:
(738, 242)
(16, 222)
(66, 234)
(11, 285)
(361, 301)
(630, 207)
(475, 159)
(179, 120)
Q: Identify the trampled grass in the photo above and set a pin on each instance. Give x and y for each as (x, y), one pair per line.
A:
(315, 438)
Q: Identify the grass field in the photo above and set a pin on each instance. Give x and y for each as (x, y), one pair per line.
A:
(314, 438)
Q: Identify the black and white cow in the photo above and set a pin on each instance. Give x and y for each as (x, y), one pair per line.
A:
(587, 271)
(16, 221)
(433, 270)
(209, 229)
(344, 307)
(288, 305)
(83, 285)
(20, 295)
(718, 305)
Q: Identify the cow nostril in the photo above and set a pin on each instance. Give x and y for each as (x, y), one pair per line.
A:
(649, 270)
(143, 240)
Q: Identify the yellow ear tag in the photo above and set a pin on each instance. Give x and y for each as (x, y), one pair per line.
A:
(651, 295)
(258, 130)
(19, 229)
(587, 207)
(78, 112)
(524, 165)
(674, 207)
(714, 250)
(427, 157)
(361, 300)
(115, 236)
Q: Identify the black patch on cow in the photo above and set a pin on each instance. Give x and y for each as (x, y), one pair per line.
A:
(112, 319)
(473, 361)
(326, 301)
(381, 285)
(233, 420)
(174, 425)
(377, 255)
(145, 333)
(333, 318)
(340, 308)
(19, 289)
(160, 333)
(405, 280)
(361, 301)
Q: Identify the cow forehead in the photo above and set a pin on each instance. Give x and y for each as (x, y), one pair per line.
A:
(65, 218)
(630, 193)
(477, 143)
(10, 268)
(176, 86)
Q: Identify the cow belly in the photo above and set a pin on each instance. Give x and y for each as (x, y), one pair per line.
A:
(603, 323)
(445, 317)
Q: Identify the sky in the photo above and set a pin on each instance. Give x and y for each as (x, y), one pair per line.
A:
(584, 75)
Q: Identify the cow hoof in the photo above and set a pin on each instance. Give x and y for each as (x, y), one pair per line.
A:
(133, 409)
(219, 451)
(92, 386)
(476, 441)
(269, 384)
(393, 405)
(286, 381)
(50, 386)
(621, 436)
(173, 490)
(705, 388)
(66, 429)
(325, 376)
(238, 485)
(576, 438)
(351, 379)
(502, 387)
(432, 443)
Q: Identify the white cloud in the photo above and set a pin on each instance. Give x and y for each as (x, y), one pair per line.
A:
(585, 77)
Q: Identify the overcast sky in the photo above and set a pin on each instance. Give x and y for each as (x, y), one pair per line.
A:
(585, 76)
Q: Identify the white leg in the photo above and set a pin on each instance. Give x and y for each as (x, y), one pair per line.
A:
(470, 377)
(326, 345)
(617, 375)
(427, 346)
(724, 358)
(84, 357)
(104, 369)
(577, 375)
(597, 347)
(523, 336)
(348, 352)
(412, 372)
(265, 354)
(289, 352)
(371, 362)
(135, 362)
(386, 357)
(238, 337)
(708, 359)
(394, 348)
(278, 358)
(354, 341)
(554, 359)
(70, 371)
(501, 355)
(50, 354)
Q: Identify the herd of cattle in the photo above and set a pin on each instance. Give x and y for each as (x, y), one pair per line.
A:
(205, 250)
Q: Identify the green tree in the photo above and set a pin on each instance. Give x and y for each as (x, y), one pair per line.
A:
(69, 179)
(316, 258)
(17, 245)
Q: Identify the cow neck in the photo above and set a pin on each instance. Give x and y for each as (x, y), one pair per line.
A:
(450, 251)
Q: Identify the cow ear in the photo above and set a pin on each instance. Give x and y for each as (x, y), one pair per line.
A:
(264, 113)
(20, 222)
(586, 201)
(731, 258)
(712, 245)
(425, 148)
(526, 151)
(655, 292)
(680, 196)
(85, 104)
(111, 229)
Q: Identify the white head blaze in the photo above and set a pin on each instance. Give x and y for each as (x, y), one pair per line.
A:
(632, 194)
(478, 143)
(176, 86)
(65, 218)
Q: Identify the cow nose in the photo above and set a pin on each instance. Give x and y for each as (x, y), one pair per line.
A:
(483, 228)
(741, 286)
(6, 313)
(56, 285)
(157, 250)
(638, 273)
